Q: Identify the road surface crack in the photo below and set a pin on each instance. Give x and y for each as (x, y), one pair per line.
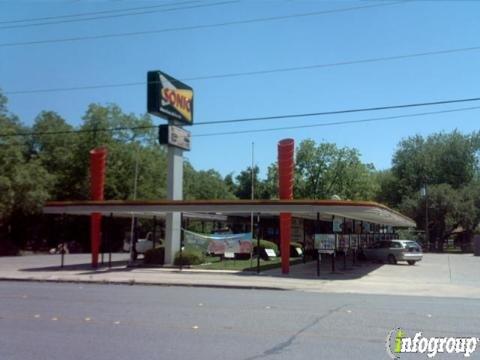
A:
(279, 348)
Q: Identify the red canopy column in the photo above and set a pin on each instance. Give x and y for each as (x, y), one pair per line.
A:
(98, 159)
(286, 148)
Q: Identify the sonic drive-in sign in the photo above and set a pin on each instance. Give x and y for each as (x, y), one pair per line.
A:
(169, 98)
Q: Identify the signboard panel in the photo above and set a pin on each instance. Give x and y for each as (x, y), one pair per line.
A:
(297, 230)
(337, 225)
(229, 255)
(363, 240)
(174, 136)
(366, 227)
(270, 253)
(342, 241)
(220, 244)
(169, 98)
(354, 241)
(325, 243)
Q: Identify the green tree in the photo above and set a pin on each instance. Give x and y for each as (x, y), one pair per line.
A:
(132, 141)
(469, 208)
(449, 209)
(24, 183)
(387, 188)
(243, 184)
(205, 185)
(326, 170)
(229, 183)
(444, 209)
(439, 159)
(448, 164)
(270, 184)
(54, 151)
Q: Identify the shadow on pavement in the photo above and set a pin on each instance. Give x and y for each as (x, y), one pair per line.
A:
(116, 265)
(343, 270)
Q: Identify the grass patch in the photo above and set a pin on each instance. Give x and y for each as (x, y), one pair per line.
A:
(214, 263)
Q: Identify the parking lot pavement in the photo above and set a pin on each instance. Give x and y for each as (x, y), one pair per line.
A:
(444, 275)
(457, 269)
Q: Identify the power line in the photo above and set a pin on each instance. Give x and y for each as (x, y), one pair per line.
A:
(121, 15)
(334, 123)
(344, 122)
(337, 112)
(90, 13)
(276, 117)
(80, 131)
(254, 73)
(196, 27)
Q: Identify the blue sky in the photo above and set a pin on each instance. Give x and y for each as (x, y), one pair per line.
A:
(402, 28)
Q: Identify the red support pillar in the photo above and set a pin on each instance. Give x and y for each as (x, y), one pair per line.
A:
(286, 148)
(98, 158)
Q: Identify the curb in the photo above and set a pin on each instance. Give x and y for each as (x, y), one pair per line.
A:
(144, 283)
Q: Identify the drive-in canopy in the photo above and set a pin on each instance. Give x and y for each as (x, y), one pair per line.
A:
(357, 210)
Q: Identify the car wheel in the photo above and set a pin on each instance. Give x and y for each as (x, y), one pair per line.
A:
(411, 262)
(391, 259)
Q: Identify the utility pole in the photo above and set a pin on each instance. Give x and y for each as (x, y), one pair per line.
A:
(427, 233)
(252, 196)
(424, 192)
(133, 222)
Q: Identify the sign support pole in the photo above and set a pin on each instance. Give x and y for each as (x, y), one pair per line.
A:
(171, 99)
(258, 243)
(62, 250)
(174, 192)
(154, 232)
(333, 254)
(344, 245)
(354, 247)
(318, 262)
(317, 230)
(109, 239)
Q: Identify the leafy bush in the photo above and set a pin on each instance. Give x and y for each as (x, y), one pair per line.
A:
(265, 244)
(296, 244)
(189, 257)
(293, 247)
(155, 256)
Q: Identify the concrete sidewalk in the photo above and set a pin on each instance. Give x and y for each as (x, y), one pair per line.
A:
(439, 275)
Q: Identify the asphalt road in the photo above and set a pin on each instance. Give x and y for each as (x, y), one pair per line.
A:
(49, 321)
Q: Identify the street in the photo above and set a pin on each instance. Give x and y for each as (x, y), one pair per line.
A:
(87, 321)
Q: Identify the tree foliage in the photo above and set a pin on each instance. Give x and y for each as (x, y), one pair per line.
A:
(439, 159)
(447, 164)
(321, 171)
(325, 170)
(24, 183)
(56, 166)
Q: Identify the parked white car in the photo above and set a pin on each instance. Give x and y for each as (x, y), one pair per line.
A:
(142, 245)
(392, 251)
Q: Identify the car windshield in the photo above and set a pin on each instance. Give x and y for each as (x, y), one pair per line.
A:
(408, 244)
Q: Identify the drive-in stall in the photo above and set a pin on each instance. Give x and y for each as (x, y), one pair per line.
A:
(360, 212)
